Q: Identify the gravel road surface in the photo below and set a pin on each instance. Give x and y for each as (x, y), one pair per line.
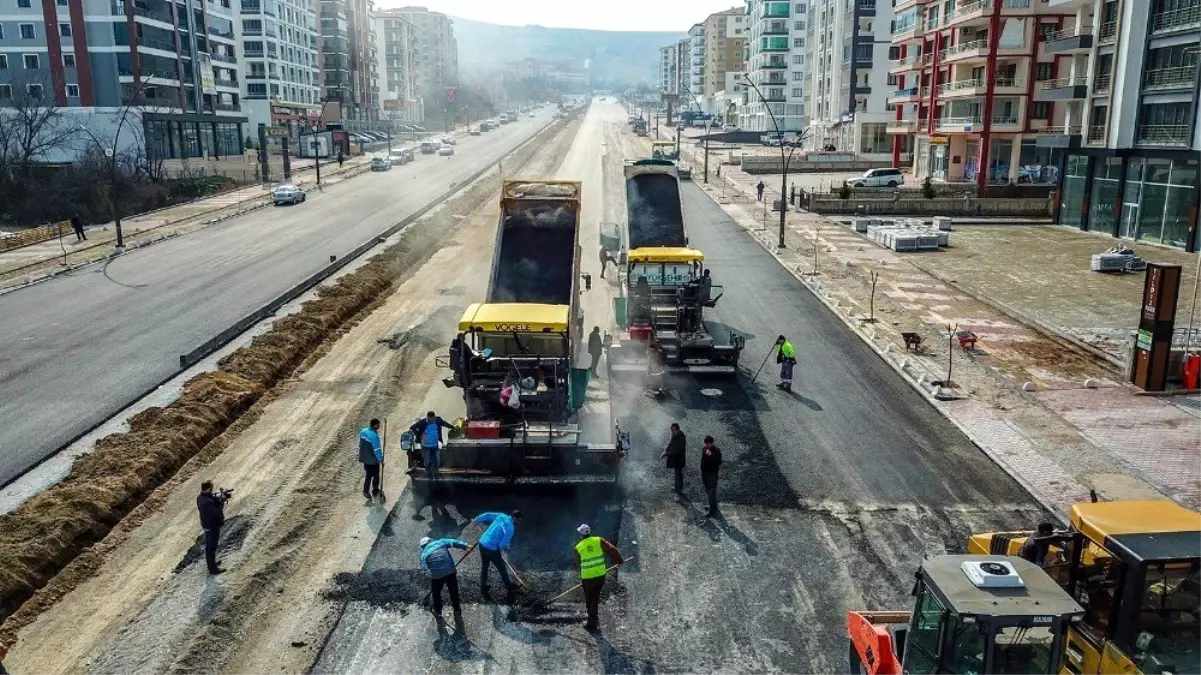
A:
(79, 348)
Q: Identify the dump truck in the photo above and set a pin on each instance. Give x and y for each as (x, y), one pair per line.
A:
(1135, 566)
(513, 355)
(971, 614)
(666, 287)
(640, 127)
(667, 150)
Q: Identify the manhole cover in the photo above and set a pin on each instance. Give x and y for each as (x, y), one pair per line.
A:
(711, 392)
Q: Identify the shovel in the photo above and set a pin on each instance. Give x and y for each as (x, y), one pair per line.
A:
(581, 585)
(430, 593)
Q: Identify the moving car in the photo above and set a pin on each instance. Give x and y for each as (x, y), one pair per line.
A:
(473, 131)
(487, 125)
(531, 114)
(381, 164)
(448, 140)
(288, 194)
(429, 147)
(878, 178)
(446, 151)
(400, 156)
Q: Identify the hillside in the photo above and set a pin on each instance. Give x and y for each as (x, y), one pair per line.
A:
(613, 56)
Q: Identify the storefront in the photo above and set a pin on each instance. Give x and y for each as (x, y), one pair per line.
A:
(187, 135)
(1139, 195)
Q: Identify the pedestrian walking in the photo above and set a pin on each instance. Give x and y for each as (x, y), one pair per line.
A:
(77, 226)
(212, 516)
(341, 159)
(786, 357)
(596, 347)
(429, 431)
(371, 456)
(759, 190)
(675, 453)
(710, 464)
(436, 559)
(495, 540)
(604, 260)
(590, 554)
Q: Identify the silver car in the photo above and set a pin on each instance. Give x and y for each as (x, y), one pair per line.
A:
(446, 151)
(288, 194)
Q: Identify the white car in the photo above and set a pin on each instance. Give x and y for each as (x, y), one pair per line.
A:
(730, 127)
(446, 151)
(288, 194)
(878, 178)
(448, 140)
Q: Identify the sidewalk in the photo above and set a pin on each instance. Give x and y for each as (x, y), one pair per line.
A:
(30, 263)
(1020, 395)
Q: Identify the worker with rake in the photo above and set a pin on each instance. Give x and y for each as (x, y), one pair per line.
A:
(590, 561)
(498, 534)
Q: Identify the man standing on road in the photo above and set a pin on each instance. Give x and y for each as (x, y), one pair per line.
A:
(436, 559)
(710, 463)
(429, 432)
(590, 561)
(786, 357)
(493, 543)
(371, 456)
(212, 517)
(596, 346)
(675, 454)
(759, 190)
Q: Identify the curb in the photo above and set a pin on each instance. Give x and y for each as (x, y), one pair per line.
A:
(907, 372)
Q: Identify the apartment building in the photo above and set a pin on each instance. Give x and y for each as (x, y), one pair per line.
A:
(725, 42)
(694, 84)
(969, 80)
(399, 84)
(775, 66)
(847, 45)
(347, 56)
(176, 61)
(1126, 74)
(669, 69)
(436, 51)
(279, 68)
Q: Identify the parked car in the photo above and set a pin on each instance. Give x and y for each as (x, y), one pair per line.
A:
(730, 127)
(878, 178)
(446, 151)
(288, 194)
(381, 164)
(449, 140)
(420, 130)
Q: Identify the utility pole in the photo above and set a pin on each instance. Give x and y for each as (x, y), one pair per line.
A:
(783, 157)
(708, 130)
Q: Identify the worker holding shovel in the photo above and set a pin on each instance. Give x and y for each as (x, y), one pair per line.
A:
(590, 561)
(497, 536)
(435, 558)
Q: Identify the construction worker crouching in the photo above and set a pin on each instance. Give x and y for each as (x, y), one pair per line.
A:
(590, 561)
(786, 357)
(435, 558)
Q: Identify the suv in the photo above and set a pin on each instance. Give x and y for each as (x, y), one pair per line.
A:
(878, 178)
(380, 164)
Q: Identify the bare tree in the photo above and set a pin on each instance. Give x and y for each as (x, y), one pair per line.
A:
(32, 127)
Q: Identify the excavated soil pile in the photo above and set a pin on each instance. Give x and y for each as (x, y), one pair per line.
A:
(45, 534)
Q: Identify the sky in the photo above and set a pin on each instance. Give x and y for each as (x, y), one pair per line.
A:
(625, 15)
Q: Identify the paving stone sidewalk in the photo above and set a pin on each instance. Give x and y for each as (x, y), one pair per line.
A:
(1059, 439)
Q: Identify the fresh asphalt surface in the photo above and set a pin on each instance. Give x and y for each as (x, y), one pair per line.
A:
(831, 496)
(79, 348)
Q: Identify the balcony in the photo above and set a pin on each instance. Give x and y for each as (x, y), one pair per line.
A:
(968, 13)
(227, 107)
(910, 95)
(867, 7)
(773, 64)
(1187, 18)
(1078, 39)
(775, 29)
(957, 124)
(902, 65)
(1101, 83)
(1166, 79)
(775, 10)
(222, 58)
(1063, 89)
(161, 45)
(1005, 122)
(1177, 135)
(1108, 33)
(1062, 137)
(912, 31)
(902, 126)
(1096, 134)
(165, 17)
(217, 32)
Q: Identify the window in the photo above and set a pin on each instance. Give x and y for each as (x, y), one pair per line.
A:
(72, 91)
(921, 648)
(64, 30)
(798, 42)
(797, 92)
(1, 31)
(892, 80)
(3, 61)
(797, 58)
(31, 62)
(797, 76)
(24, 3)
(68, 60)
(34, 90)
(1042, 71)
(1041, 110)
(27, 31)
(800, 25)
(6, 92)
(1045, 29)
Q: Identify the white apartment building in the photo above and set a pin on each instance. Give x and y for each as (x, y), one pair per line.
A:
(669, 73)
(279, 69)
(400, 94)
(696, 65)
(775, 66)
(435, 50)
(848, 44)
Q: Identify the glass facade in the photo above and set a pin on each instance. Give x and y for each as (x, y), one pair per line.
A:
(1071, 199)
(177, 139)
(1104, 205)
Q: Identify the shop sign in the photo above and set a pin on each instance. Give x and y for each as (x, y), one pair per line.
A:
(277, 132)
(938, 140)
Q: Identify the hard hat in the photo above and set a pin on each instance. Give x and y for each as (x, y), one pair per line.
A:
(584, 530)
(423, 542)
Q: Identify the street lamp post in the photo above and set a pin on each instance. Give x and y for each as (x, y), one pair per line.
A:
(708, 130)
(785, 158)
(111, 155)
